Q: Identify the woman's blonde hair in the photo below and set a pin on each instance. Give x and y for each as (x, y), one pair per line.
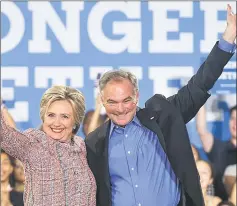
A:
(73, 96)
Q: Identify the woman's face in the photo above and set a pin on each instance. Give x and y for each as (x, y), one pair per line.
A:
(6, 167)
(204, 171)
(19, 172)
(59, 121)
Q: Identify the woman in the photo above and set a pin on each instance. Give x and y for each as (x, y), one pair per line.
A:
(206, 178)
(19, 176)
(233, 195)
(54, 159)
(9, 196)
(18, 169)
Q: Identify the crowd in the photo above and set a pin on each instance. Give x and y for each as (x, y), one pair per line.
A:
(131, 155)
(218, 189)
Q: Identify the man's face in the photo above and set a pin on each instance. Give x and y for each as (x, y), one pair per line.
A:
(232, 124)
(120, 101)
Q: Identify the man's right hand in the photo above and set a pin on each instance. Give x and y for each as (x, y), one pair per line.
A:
(230, 31)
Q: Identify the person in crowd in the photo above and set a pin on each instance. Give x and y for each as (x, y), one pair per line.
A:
(54, 158)
(195, 153)
(220, 153)
(9, 197)
(229, 178)
(18, 170)
(93, 118)
(19, 176)
(232, 197)
(206, 178)
(141, 155)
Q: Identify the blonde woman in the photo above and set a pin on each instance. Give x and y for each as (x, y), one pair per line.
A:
(206, 178)
(54, 158)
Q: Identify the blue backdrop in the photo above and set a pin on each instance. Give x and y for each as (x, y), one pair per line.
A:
(162, 43)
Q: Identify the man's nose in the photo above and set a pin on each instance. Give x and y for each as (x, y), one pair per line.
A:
(120, 108)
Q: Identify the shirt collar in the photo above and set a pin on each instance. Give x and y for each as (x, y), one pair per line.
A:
(135, 120)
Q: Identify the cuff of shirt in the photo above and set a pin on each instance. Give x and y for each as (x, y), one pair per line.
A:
(226, 46)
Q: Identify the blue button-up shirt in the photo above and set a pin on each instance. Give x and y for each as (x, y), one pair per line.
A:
(226, 46)
(140, 171)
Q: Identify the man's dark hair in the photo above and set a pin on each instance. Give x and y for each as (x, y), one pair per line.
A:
(232, 109)
(225, 203)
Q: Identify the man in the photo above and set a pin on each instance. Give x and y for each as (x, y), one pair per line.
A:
(143, 157)
(220, 153)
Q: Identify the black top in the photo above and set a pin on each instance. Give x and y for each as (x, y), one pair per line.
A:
(16, 198)
(222, 154)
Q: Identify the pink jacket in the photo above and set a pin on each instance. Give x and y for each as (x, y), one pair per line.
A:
(57, 174)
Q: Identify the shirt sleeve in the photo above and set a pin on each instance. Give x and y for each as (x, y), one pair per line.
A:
(13, 142)
(226, 46)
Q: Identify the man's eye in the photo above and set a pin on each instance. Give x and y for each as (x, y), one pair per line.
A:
(50, 115)
(65, 116)
(127, 100)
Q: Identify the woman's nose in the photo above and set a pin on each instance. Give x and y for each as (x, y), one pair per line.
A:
(57, 121)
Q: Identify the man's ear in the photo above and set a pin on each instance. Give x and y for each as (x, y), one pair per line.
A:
(137, 96)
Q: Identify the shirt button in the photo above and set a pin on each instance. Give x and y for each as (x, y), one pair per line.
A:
(139, 204)
(132, 168)
(129, 152)
(126, 135)
(136, 185)
(75, 172)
